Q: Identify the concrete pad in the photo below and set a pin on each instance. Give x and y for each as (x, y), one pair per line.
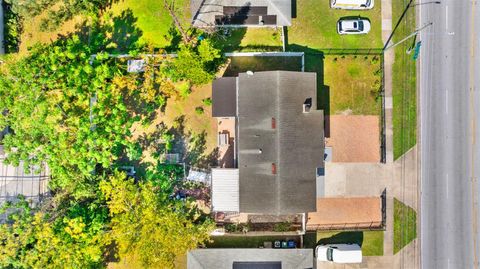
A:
(388, 102)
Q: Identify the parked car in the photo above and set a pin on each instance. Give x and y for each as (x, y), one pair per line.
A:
(351, 4)
(353, 26)
(339, 253)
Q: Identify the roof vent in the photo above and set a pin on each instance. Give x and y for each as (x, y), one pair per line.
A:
(250, 73)
(307, 105)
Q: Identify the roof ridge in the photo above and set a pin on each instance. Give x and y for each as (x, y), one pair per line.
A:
(278, 11)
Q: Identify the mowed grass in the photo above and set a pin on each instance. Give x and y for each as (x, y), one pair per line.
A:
(347, 84)
(315, 26)
(241, 64)
(370, 241)
(252, 39)
(404, 84)
(404, 225)
(153, 19)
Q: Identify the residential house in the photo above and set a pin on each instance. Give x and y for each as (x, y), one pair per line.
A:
(236, 258)
(274, 138)
(241, 13)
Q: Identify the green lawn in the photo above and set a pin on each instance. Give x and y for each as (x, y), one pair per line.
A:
(347, 84)
(252, 39)
(316, 27)
(153, 20)
(262, 63)
(404, 84)
(370, 241)
(246, 241)
(404, 225)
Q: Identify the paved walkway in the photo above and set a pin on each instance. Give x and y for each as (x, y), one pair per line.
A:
(388, 63)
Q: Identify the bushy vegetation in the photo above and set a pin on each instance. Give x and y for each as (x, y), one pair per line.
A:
(71, 105)
(12, 28)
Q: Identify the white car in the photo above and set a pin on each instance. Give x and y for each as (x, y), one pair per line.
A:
(339, 253)
(353, 26)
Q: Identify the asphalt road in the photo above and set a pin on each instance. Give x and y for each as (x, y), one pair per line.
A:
(450, 151)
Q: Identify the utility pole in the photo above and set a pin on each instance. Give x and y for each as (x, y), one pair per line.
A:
(406, 38)
(409, 5)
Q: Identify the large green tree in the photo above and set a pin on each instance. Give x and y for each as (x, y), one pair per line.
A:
(42, 239)
(66, 108)
(147, 225)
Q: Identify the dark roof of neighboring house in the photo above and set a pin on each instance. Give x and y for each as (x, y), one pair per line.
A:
(208, 13)
(224, 97)
(277, 166)
(250, 258)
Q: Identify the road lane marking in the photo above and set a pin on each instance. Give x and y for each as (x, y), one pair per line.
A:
(447, 185)
(446, 102)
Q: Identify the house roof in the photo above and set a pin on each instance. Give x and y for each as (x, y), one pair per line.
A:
(224, 97)
(250, 258)
(208, 13)
(279, 146)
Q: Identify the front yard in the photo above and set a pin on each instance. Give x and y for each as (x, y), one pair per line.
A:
(404, 84)
(370, 241)
(315, 27)
(347, 84)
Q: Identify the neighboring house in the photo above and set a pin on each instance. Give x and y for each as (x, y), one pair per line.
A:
(250, 258)
(241, 13)
(274, 138)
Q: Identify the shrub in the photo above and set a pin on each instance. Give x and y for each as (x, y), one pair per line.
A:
(207, 101)
(199, 110)
(281, 227)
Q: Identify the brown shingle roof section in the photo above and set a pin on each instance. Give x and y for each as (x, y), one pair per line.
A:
(224, 97)
(295, 146)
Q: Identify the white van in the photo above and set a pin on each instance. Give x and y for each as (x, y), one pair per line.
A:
(352, 4)
(339, 253)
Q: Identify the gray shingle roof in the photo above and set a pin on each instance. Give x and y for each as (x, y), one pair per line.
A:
(204, 11)
(224, 97)
(295, 147)
(224, 258)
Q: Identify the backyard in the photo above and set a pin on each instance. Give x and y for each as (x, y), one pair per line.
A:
(404, 225)
(370, 241)
(347, 84)
(315, 27)
(240, 64)
(247, 241)
(250, 39)
(404, 83)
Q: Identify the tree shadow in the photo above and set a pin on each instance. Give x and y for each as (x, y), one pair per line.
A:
(343, 238)
(174, 37)
(120, 34)
(125, 32)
